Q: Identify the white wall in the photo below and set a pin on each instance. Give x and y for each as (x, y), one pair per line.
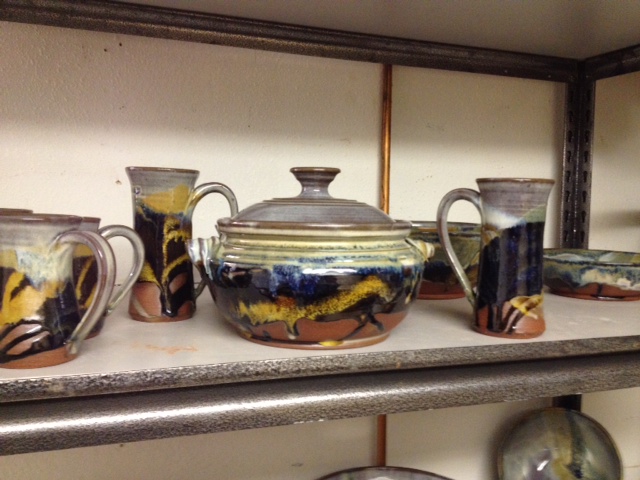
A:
(77, 107)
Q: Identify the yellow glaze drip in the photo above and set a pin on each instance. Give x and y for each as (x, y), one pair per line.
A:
(285, 309)
(26, 302)
(169, 202)
(525, 304)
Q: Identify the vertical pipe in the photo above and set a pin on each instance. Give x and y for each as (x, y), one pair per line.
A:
(385, 175)
(385, 170)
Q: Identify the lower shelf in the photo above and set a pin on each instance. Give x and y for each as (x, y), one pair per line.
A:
(76, 422)
(139, 381)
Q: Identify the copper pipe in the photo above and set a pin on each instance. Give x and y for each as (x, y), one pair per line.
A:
(385, 177)
(385, 170)
(381, 441)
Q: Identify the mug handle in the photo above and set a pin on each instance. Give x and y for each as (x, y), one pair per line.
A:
(198, 194)
(134, 239)
(106, 278)
(443, 232)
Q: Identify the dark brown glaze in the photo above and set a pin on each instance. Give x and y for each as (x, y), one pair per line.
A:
(337, 309)
(509, 297)
(44, 327)
(164, 291)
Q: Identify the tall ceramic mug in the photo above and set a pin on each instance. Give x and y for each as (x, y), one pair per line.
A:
(85, 268)
(40, 324)
(508, 298)
(163, 203)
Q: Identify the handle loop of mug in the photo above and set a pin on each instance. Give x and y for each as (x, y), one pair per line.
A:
(198, 194)
(105, 262)
(443, 232)
(134, 239)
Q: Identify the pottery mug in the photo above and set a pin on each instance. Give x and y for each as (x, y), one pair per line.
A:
(508, 298)
(85, 268)
(163, 201)
(40, 324)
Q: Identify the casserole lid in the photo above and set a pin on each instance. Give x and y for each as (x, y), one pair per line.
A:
(313, 209)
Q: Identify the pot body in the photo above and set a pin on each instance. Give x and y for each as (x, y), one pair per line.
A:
(306, 292)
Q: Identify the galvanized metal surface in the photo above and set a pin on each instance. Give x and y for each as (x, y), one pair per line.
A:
(136, 380)
(221, 30)
(69, 423)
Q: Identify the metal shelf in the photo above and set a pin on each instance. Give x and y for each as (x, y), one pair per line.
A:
(198, 376)
(203, 378)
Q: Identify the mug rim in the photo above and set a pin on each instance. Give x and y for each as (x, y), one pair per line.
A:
(515, 180)
(160, 169)
(41, 218)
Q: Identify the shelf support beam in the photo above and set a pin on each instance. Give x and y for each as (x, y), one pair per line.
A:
(577, 159)
(130, 19)
(78, 422)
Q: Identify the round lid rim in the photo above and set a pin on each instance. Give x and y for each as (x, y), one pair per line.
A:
(228, 224)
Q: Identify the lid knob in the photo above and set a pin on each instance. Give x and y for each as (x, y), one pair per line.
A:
(315, 180)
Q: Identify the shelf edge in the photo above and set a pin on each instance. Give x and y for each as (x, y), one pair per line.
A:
(165, 23)
(70, 423)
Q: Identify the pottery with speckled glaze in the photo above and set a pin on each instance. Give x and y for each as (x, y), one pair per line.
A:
(592, 274)
(558, 444)
(383, 473)
(163, 203)
(312, 271)
(85, 268)
(40, 322)
(439, 281)
(507, 300)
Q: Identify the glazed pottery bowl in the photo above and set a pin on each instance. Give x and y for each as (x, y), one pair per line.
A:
(558, 444)
(438, 280)
(312, 271)
(383, 473)
(592, 274)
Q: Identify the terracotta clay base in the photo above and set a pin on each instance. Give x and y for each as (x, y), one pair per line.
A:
(339, 334)
(44, 359)
(145, 305)
(328, 345)
(517, 324)
(160, 318)
(439, 291)
(598, 292)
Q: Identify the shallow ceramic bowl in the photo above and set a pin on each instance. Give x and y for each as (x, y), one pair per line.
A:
(438, 279)
(592, 274)
(383, 473)
(558, 444)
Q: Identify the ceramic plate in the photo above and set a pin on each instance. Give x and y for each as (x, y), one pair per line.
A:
(558, 444)
(383, 473)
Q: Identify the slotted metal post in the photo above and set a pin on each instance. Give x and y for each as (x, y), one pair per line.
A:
(577, 159)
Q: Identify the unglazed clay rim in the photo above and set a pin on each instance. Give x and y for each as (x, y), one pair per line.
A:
(605, 435)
